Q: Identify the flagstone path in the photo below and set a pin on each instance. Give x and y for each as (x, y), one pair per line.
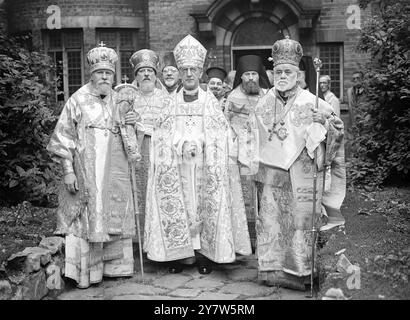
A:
(236, 281)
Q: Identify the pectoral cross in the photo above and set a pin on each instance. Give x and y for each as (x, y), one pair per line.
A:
(102, 44)
(282, 133)
(125, 78)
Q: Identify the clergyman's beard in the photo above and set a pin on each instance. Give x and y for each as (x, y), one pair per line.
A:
(103, 88)
(147, 86)
(250, 87)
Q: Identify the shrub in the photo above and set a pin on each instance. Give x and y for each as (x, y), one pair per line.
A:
(26, 121)
(381, 147)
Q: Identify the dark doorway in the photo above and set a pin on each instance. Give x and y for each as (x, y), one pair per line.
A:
(263, 53)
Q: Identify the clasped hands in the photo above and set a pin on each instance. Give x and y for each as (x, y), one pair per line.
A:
(189, 150)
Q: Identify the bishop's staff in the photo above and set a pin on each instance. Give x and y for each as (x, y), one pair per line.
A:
(318, 64)
(126, 97)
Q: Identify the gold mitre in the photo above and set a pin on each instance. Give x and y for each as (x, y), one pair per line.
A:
(286, 51)
(189, 52)
(144, 58)
(102, 58)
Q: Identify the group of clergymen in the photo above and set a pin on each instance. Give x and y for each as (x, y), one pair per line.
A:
(198, 148)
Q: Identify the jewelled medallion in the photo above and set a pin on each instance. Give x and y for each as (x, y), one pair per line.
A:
(282, 133)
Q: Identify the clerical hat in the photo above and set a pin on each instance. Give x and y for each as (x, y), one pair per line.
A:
(216, 72)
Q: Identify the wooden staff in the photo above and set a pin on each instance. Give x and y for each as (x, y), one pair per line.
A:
(318, 65)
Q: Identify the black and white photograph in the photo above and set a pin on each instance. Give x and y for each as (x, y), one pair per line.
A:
(207, 156)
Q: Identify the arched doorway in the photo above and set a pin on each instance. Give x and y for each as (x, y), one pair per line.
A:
(255, 36)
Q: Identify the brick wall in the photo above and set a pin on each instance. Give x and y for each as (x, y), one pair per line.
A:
(3, 17)
(169, 22)
(26, 14)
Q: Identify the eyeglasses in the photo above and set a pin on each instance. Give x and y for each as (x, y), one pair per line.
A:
(170, 70)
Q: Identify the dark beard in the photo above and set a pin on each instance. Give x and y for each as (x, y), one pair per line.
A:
(250, 87)
(147, 86)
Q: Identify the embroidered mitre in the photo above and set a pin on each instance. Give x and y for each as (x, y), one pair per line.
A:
(190, 52)
(286, 51)
(144, 58)
(102, 58)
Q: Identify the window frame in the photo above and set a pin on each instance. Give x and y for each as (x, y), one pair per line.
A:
(340, 46)
(64, 49)
(119, 49)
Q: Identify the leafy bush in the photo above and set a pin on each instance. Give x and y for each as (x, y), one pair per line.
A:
(381, 146)
(26, 121)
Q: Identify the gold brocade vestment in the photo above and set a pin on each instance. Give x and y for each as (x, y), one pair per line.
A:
(285, 181)
(188, 201)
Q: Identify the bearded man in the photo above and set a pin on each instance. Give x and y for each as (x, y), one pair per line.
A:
(170, 73)
(250, 85)
(188, 204)
(95, 211)
(290, 129)
(148, 104)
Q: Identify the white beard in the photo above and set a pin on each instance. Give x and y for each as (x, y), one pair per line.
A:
(103, 89)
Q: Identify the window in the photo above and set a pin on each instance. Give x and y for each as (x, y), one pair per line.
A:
(124, 42)
(65, 47)
(331, 55)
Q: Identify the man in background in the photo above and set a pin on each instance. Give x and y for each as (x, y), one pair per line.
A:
(216, 77)
(330, 97)
(170, 73)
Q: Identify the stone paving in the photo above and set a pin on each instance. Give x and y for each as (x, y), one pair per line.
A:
(236, 281)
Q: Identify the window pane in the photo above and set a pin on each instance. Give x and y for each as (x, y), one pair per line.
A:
(57, 58)
(73, 39)
(126, 39)
(330, 56)
(109, 38)
(54, 39)
(126, 68)
(74, 70)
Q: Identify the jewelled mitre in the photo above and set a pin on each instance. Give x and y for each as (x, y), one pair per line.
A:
(144, 58)
(102, 58)
(189, 52)
(286, 51)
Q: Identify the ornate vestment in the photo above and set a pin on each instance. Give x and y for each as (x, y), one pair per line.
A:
(98, 220)
(188, 200)
(150, 108)
(285, 179)
(87, 134)
(240, 114)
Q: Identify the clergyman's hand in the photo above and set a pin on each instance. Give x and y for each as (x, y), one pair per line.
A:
(189, 150)
(318, 116)
(131, 118)
(70, 180)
